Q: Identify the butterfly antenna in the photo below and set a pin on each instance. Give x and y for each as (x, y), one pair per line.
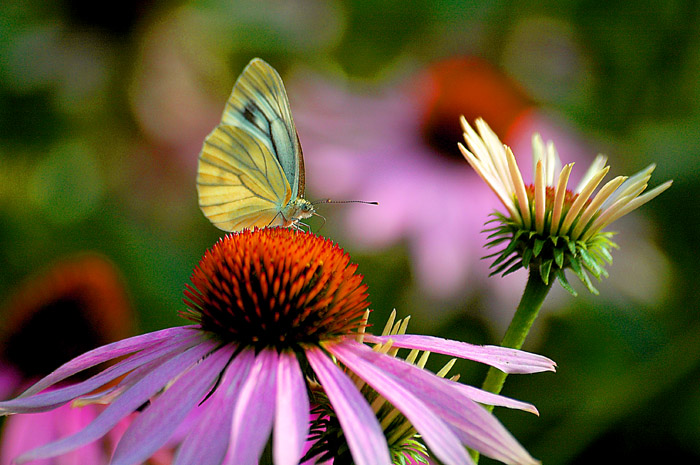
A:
(337, 201)
(343, 201)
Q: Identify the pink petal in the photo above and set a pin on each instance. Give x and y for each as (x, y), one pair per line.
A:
(474, 426)
(152, 428)
(208, 441)
(360, 426)
(487, 398)
(124, 404)
(505, 359)
(144, 367)
(109, 352)
(292, 412)
(52, 399)
(437, 435)
(254, 412)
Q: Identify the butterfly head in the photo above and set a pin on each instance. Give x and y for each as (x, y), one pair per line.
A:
(297, 209)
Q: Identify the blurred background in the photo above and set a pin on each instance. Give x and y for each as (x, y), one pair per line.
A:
(104, 107)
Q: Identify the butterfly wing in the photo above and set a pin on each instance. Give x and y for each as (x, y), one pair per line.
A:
(240, 184)
(259, 105)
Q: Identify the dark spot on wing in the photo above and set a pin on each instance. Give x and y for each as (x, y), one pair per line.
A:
(255, 116)
(248, 113)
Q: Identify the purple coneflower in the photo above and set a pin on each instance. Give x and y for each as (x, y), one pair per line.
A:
(275, 308)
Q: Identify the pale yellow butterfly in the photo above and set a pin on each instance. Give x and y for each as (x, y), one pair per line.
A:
(251, 168)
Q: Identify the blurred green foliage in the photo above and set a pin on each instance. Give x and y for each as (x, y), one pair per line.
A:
(103, 111)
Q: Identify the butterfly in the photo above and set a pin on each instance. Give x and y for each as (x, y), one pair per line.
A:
(251, 167)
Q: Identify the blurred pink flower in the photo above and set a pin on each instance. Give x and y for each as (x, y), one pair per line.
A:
(25, 432)
(73, 306)
(398, 146)
(10, 378)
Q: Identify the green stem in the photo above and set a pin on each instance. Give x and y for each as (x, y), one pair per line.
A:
(525, 315)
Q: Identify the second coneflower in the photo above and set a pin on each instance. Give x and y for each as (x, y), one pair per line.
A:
(273, 309)
(549, 227)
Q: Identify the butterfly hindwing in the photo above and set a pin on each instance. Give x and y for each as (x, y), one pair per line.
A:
(239, 182)
(259, 105)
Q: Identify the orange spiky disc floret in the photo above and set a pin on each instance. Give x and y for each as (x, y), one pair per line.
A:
(275, 287)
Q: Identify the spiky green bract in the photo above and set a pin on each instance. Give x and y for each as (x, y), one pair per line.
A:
(549, 255)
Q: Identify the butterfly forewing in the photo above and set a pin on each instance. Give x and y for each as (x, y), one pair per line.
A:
(259, 105)
(239, 183)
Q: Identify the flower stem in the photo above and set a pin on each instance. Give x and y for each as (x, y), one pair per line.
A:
(528, 308)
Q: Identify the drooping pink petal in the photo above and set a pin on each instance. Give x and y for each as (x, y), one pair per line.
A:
(474, 426)
(254, 412)
(291, 413)
(437, 435)
(125, 404)
(152, 428)
(133, 377)
(109, 352)
(488, 398)
(360, 426)
(208, 441)
(44, 401)
(505, 359)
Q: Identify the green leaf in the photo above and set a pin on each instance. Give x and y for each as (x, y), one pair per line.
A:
(545, 268)
(494, 242)
(559, 257)
(504, 265)
(491, 255)
(604, 251)
(513, 268)
(576, 266)
(507, 251)
(590, 263)
(561, 277)
(527, 256)
(582, 275)
(589, 285)
(498, 232)
(539, 244)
